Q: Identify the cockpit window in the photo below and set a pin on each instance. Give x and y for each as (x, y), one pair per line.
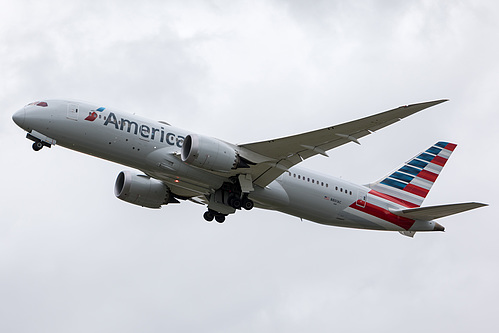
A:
(38, 103)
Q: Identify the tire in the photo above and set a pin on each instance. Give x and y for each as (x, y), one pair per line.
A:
(37, 145)
(248, 204)
(208, 216)
(220, 218)
(236, 203)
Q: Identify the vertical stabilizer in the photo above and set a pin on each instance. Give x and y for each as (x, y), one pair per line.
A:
(411, 183)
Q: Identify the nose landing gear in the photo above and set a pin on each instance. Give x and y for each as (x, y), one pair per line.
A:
(37, 145)
(39, 140)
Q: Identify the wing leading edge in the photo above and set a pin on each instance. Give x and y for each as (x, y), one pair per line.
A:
(273, 157)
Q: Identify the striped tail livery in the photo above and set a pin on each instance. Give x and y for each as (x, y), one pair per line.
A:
(412, 182)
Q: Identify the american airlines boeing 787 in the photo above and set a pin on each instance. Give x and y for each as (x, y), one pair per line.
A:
(176, 164)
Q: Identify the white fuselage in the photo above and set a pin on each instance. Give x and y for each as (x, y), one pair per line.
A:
(154, 148)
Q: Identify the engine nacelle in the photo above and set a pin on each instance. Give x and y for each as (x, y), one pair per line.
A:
(209, 153)
(141, 190)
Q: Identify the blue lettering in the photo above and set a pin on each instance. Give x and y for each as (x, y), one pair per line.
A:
(170, 139)
(111, 119)
(144, 131)
(129, 125)
(153, 131)
(180, 141)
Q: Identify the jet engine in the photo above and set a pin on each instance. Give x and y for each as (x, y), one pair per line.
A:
(141, 190)
(209, 153)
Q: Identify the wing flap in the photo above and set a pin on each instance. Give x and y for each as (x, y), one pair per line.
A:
(435, 212)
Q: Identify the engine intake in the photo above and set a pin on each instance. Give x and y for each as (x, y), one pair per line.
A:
(209, 153)
(141, 190)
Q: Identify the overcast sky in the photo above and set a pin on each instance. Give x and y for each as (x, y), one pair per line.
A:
(73, 258)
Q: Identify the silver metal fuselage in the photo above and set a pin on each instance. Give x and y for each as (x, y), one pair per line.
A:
(154, 148)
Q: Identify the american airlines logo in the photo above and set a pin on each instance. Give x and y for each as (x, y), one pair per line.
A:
(92, 116)
(143, 131)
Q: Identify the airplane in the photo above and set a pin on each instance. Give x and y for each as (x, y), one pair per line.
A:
(171, 164)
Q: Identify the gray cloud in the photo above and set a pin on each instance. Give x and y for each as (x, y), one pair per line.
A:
(74, 258)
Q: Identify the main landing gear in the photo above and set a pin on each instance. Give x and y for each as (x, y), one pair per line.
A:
(225, 201)
(211, 214)
(238, 203)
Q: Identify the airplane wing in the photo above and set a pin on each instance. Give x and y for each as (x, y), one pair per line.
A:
(271, 158)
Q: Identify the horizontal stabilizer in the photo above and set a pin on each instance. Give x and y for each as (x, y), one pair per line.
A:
(434, 212)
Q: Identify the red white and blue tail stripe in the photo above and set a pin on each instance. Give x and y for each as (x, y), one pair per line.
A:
(411, 183)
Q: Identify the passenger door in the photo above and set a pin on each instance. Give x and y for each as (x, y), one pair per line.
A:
(362, 199)
(72, 111)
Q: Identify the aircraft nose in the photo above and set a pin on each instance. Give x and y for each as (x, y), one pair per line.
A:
(19, 117)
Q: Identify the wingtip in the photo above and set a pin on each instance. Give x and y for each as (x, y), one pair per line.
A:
(425, 105)
(436, 102)
(442, 100)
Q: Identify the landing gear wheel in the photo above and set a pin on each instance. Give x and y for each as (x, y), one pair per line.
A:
(37, 145)
(248, 204)
(208, 216)
(220, 218)
(236, 203)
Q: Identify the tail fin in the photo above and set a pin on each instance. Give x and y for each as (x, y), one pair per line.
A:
(411, 183)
